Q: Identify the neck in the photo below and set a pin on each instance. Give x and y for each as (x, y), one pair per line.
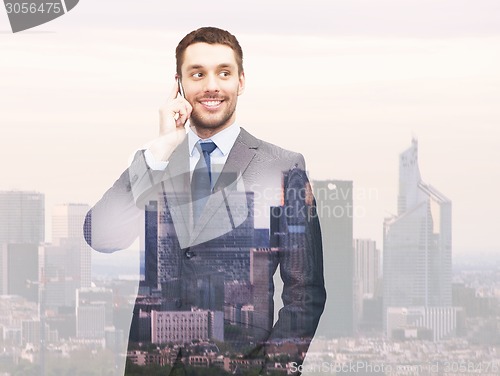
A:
(205, 133)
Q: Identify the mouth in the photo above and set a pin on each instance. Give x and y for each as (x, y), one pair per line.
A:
(211, 104)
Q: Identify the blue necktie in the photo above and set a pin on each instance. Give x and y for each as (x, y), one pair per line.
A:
(201, 183)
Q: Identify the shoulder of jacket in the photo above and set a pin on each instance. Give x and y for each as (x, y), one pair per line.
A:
(274, 152)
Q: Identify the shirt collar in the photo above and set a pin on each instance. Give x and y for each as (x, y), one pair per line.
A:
(224, 139)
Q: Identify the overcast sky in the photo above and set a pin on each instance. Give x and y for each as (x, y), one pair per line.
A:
(407, 18)
(347, 83)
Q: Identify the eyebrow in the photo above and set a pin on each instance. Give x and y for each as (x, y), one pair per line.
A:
(222, 65)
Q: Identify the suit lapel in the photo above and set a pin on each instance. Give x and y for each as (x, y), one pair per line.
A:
(177, 191)
(240, 157)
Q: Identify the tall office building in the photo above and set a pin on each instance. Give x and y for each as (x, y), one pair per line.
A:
(289, 234)
(261, 282)
(22, 217)
(3, 269)
(22, 270)
(151, 245)
(334, 201)
(417, 242)
(366, 265)
(57, 266)
(22, 229)
(168, 254)
(366, 281)
(94, 312)
(67, 222)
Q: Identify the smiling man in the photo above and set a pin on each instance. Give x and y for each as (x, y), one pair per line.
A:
(213, 80)
(205, 189)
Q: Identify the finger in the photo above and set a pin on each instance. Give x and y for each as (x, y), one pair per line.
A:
(184, 114)
(179, 114)
(181, 121)
(175, 106)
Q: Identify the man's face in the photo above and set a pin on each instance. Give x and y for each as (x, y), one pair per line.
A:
(212, 85)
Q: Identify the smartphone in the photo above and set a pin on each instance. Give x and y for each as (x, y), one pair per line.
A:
(181, 92)
(181, 89)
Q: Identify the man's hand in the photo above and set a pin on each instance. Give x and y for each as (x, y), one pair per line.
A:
(173, 116)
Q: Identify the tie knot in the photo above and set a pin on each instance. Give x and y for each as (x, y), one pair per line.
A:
(208, 147)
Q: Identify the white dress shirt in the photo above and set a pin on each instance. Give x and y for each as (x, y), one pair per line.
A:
(224, 140)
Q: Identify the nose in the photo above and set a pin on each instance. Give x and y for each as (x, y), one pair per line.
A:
(211, 83)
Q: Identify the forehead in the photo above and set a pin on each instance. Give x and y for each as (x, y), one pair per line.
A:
(208, 55)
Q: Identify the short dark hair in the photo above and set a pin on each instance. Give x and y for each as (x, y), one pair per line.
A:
(210, 35)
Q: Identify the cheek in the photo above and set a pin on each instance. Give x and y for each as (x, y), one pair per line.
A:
(191, 89)
(233, 90)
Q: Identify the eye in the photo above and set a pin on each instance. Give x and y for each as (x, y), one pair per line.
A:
(224, 74)
(197, 75)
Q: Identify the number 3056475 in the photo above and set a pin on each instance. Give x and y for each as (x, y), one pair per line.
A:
(33, 8)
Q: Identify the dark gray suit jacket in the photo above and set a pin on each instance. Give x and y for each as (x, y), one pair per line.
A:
(276, 179)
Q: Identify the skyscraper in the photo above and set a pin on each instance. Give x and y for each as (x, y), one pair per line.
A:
(67, 220)
(151, 245)
(260, 264)
(368, 300)
(335, 209)
(22, 229)
(366, 264)
(23, 273)
(94, 312)
(288, 224)
(58, 265)
(417, 242)
(3, 269)
(22, 217)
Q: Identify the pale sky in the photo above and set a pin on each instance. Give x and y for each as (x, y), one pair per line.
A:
(348, 84)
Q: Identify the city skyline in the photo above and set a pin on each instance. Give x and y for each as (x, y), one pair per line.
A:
(348, 84)
(361, 195)
(416, 322)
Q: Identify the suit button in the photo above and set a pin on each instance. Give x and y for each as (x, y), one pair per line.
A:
(178, 303)
(189, 254)
(134, 179)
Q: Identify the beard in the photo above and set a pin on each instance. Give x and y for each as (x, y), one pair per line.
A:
(205, 120)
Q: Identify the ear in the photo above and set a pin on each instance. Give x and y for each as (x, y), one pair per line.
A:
(241, 84)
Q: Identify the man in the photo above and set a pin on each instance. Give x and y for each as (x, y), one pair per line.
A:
(210, 187)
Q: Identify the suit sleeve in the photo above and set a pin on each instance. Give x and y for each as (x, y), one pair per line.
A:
(114, 222)
(300, 263)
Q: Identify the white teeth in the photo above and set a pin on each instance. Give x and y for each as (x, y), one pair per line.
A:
(212, 103)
